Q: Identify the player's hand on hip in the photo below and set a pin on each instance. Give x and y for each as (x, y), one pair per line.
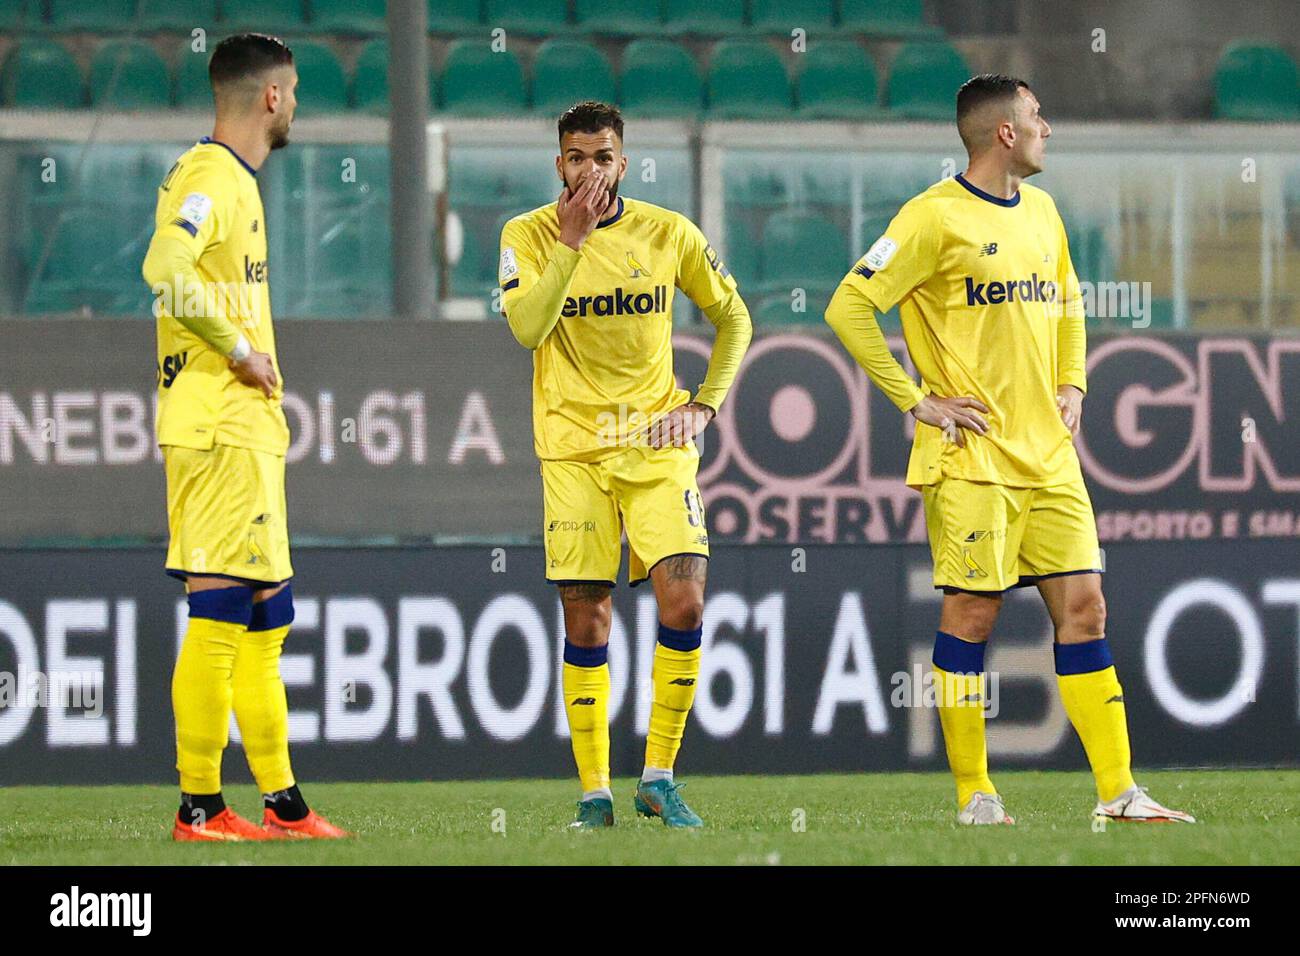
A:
(953, 415)
(1069, 401)
(679, 426)
(256, 371)
(579, 210)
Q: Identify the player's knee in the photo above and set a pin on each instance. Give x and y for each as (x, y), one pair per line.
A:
(683, 612)
(1087, 615)
(969, 617)
(589, 627)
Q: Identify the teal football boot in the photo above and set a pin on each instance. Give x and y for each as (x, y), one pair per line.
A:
(660, 798)
(594, 814)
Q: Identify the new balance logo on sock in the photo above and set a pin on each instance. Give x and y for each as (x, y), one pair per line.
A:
(971, 699)
(1117, 699)
(683, 681)
(583, 702)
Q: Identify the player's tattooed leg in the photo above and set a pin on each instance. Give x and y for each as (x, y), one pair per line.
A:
(587, 613)
(679, 589)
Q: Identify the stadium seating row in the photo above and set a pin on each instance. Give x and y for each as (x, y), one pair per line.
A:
(885, 18)
(659, 78)
(835, 79)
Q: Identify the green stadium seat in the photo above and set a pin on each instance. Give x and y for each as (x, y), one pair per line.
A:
(478, 82)
(370, 81)
(924, 79)
(838, 81)
(348, 16)
(747, 80)
(618, 17)
(1256, 82)
(14, 15)
(782, 16)
(568, 71)
(129, 75)
(41, 74)
(190, 87)
(802, 251)
(660, 79)
(529, 17)
(454, 16)
(904, 19)
(322, 87)
(264, 16)
(704, 17)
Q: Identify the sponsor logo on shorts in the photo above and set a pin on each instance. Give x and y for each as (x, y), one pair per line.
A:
(568, 525)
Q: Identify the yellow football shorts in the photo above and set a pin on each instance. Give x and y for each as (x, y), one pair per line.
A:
(988, 538)
(650, 493)
(226, 514)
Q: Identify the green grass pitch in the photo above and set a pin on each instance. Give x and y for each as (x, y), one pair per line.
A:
(1246, 817)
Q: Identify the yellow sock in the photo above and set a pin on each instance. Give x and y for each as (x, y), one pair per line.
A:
(586, 701)
(1094, 702)
(201, 701)
(262, 709)
(961, 714)
(675, 676)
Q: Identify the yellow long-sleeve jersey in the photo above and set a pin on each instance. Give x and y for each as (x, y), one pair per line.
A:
(991, 308)
(207, 265)
(599, 321)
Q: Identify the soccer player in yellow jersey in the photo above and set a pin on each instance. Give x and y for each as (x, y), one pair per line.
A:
(588, 285)
(224, 436)
(994, 322)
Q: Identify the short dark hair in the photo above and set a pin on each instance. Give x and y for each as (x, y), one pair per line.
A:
(591, 116)
(246, 56)
(982, 89)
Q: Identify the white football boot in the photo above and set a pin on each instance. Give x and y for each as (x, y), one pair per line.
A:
(1135, 805)
(982, 809)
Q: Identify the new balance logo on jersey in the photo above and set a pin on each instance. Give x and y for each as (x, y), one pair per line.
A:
(1012, 290)
(989, 249)
(617, 302)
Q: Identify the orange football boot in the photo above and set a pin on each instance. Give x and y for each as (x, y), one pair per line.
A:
(311, 827)
(226, 827)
